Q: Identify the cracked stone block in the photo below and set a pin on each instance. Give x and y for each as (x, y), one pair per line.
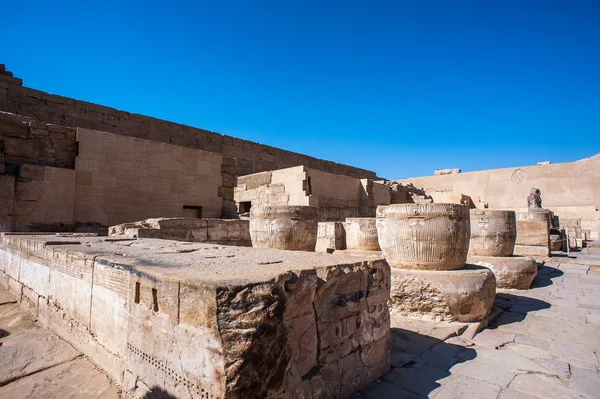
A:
(511, 272)
(202, 319)
(450, 295)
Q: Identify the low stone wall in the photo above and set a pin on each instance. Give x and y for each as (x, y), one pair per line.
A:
(217, 231)
(195, 320)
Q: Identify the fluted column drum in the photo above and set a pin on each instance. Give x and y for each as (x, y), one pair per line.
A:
(361, 234)
(284, 227)
(493, 232)
(424, 236)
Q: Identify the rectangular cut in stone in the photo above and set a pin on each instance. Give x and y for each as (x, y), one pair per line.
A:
(204, 320)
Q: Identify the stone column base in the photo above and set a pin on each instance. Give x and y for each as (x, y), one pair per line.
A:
(516, 272)
(463, 295)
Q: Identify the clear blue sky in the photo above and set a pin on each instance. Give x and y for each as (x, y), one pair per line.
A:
(399, 87)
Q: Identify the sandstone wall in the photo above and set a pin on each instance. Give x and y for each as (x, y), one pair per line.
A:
(44, 199)
(569, 189)
(125, 179)
(252, 157)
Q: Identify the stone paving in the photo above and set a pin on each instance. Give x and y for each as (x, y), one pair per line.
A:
(544, 344)
(36, 363)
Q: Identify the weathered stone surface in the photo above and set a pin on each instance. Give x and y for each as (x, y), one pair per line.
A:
(467, 388)
(196, 319)
(511, 272)
(493, 232)
(284, 227)
(38, 364)
(30, 351)
(533, 234)
(219, 231)
(361, 234)
(331, 236)
(454, 295)
(428, 237)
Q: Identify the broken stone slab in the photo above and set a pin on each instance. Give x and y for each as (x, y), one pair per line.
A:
(217, 231)
(424, 236)
(199, 319)
(464, 295)
(511, 272)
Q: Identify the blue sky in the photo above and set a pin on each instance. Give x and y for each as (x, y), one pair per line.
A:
(399, 87)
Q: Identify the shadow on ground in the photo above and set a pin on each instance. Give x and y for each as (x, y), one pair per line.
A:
(545, 276)
(516, 308)
(158, 393)
(418, 363)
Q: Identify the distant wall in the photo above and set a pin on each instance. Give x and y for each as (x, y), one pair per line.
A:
(125, 179)
(569, 189)
(251, 157)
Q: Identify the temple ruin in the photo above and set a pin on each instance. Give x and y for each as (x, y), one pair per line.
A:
(189, 264)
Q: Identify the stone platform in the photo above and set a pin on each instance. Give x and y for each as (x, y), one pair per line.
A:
(207, 321)
(464, 295)
(511, 272)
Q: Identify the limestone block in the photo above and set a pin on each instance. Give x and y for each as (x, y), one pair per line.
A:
(533, 228)
(7, 187)
(493, 232)
(34, 172)
(361, 234)
(20, 150)
(70, 287)
(29, 190)
(511, 272)
(532, 250)
(109, 318)
(284, 227)
(330, 237)
(424, 236)
(275, 324)
(451, 295)
(35, 274)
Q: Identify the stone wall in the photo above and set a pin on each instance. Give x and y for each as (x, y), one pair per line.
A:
(251, 157)
(203, 321)
(44, 199)
(569, 189)
(116, 178)
(337, 197)
(125, 179)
